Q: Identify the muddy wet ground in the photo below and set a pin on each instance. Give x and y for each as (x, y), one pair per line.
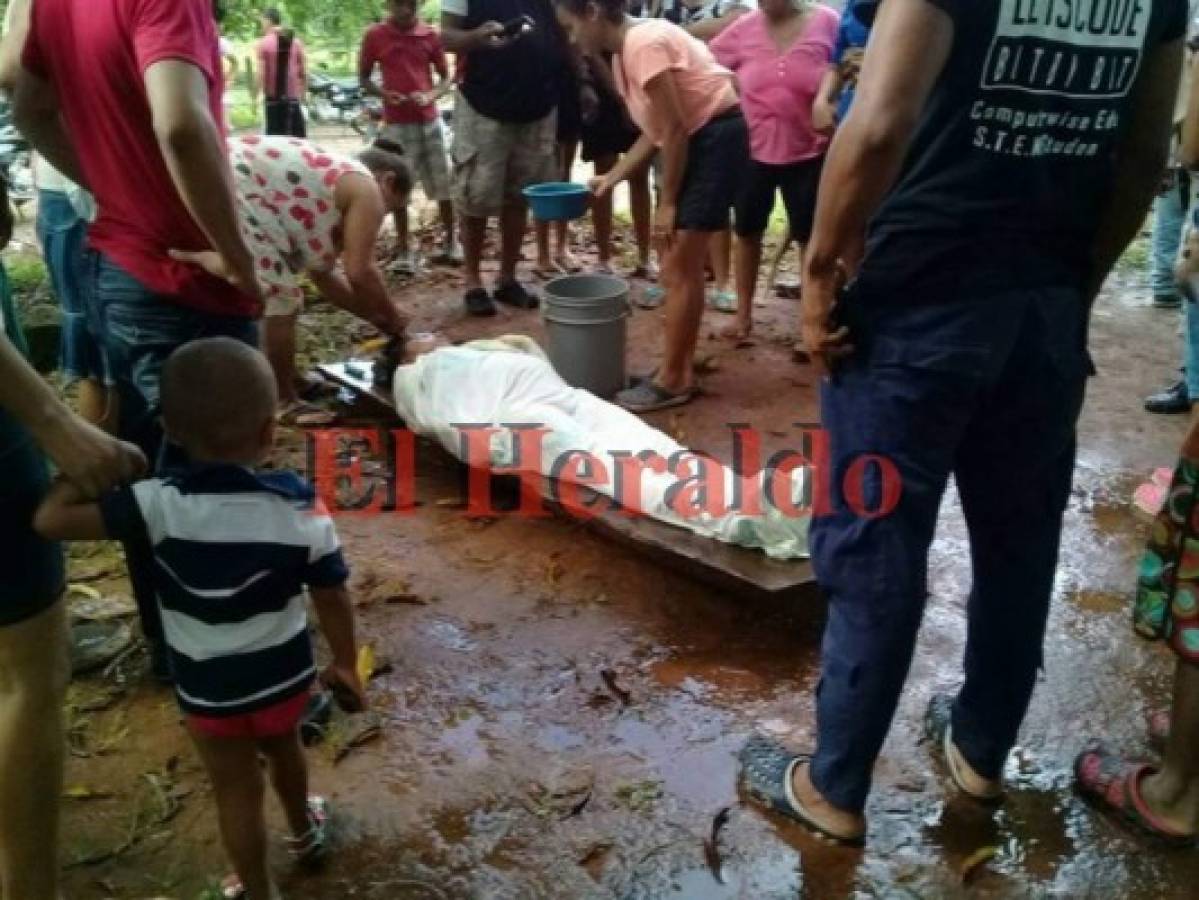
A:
(560, 715)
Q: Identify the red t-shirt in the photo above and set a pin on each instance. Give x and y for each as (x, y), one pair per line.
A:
(95, 53)
(407, 59)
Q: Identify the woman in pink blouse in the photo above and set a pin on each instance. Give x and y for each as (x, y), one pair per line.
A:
(780, 54)
(686, 106)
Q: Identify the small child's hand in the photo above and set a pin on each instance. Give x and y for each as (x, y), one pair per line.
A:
(347, 689)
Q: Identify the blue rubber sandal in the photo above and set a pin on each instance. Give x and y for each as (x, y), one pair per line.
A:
(766, 770)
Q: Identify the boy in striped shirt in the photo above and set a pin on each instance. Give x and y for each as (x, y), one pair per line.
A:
(235, 552)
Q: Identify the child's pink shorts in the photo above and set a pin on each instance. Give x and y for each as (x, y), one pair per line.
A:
(274, 721)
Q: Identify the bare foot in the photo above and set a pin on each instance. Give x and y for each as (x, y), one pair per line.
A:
(737, 331)
(837, 822)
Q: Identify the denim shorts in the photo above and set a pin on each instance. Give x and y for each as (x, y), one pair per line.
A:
(142, 329)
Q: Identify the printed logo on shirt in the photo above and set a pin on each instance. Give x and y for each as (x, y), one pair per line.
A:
(1088, 49)
(1056, 76)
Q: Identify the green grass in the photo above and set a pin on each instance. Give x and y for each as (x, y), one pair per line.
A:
(26, 272)
(1136, 256)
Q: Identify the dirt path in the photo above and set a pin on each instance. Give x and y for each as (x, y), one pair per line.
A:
(560, 715)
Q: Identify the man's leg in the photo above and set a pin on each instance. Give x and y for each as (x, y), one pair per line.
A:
(1014, 517)
(907, 401)
(474, 233)
(1169, 212)
(514, 222)
(238, 789)
(403, 242)
(445, 210)
(34, 669)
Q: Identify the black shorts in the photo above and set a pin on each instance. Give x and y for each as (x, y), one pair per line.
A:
(286, 117)
(798, 183)
(717, 158)
(611, 133)
(33, 568)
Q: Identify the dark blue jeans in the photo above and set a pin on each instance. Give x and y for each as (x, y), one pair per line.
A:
(988, 389)
(141, 331)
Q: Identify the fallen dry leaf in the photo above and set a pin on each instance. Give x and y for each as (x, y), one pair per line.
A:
(83, 792)
(609, 678)
(975, 861)
(712, 845)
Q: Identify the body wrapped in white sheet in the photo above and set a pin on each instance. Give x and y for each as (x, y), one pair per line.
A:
(508, 381)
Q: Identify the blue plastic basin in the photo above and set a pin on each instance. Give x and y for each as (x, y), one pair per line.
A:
(558, 201)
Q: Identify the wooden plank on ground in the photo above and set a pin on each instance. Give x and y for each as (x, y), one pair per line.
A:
(729, 567)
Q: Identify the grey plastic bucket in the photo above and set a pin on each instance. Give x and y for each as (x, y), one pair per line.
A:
(585, 320)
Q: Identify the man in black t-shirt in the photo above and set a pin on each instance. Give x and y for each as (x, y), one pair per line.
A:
(504, 129)
(998, 157)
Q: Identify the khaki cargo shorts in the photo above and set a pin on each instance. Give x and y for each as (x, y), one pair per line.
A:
(494, 161)
(424, 150)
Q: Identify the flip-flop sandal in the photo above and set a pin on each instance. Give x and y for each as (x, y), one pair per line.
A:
(723, 301)
(302, 414)
(514, 294)
(648, 396)
(1112, 785)
(650, 298)
(311, 847)
(766, 770)
(478, 302)
(1159, 729)
(649, 272)
(232, 889)
(938, 730)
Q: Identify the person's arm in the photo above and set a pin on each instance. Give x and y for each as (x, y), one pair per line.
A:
(37, 116)
(82, 452)
(1188, 151)
(442, 68)
(707, 29)
(909, 49)
(260, 71)
(335, 612)
(195, 157)
(1141, 156)
(824, 107)
(16, 29)
(367, 291)
(68, 514)
(664, 95)
(302, 69)
(367, 60)
(639, 154)
(456, 39)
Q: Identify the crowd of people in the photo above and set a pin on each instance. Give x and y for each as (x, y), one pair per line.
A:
(956, 232)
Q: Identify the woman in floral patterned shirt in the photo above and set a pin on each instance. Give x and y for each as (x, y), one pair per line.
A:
(304, 210)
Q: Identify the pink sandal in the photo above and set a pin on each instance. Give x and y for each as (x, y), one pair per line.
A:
(1113, 785)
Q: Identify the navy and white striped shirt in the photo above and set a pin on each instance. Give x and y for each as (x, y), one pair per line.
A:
(233, 552)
